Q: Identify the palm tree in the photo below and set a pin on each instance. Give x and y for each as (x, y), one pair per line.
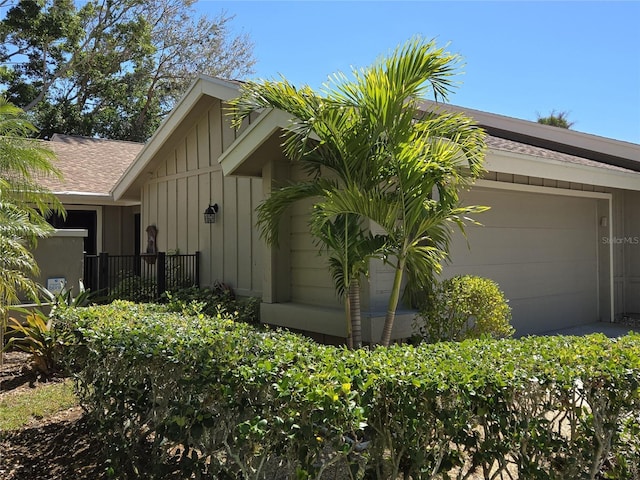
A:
(317, 139)
(390, 162)
(349, 247)
(24, 204)
(559, 119)
(420, 160)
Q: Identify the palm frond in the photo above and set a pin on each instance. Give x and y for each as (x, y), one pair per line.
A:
(24, 203)
(272, 209)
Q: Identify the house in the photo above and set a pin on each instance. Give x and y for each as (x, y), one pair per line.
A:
(90, 168)
(562, 237)
(95, 221)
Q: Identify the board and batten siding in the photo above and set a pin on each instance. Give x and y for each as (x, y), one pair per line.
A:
(186, 181)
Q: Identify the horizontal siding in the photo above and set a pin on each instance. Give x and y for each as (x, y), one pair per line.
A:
(311, 281)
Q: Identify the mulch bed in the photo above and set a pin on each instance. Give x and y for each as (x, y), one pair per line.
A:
(59, 447)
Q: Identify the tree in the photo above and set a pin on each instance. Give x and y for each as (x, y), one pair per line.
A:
(560, 119)
(349, 247)
(391, 162)
(111, 68)
(24, 205)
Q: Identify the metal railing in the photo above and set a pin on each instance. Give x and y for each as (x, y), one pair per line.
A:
(140, 278)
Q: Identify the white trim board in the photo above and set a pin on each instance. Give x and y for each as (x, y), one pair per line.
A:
(527, 165)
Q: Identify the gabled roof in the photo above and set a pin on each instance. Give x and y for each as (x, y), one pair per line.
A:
(563, 140)
(518, 146)
(195, 102)
(90, 167)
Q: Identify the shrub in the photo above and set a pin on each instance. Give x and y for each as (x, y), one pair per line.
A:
(211, 386)
(135, 288)
(37, 335)
(464, 307)
(230, 401)
(217, 301)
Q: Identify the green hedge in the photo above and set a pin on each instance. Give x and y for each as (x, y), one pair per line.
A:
(221, 399)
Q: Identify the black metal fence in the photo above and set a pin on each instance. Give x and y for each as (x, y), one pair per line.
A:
(140, 278)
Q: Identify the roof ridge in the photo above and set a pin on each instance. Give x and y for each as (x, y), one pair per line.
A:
(64, 135)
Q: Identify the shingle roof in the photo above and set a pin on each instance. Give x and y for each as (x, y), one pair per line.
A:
(511, 146)
(90, 166)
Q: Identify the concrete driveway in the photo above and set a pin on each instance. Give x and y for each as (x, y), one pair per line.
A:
(611, 330)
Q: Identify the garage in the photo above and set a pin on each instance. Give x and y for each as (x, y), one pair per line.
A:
(542, 249)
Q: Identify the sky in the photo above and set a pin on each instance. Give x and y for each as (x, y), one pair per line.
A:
(522, 59)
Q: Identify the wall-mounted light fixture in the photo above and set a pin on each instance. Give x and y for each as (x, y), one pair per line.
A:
(210, 213)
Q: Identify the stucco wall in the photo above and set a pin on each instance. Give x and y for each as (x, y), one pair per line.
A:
(188, 179)
(61, 256)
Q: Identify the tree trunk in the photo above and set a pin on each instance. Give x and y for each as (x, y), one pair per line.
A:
(3, 326)
(356, 317)
(393, 304)
(347, 314)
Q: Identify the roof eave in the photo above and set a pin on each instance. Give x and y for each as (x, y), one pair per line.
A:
(532, 166)
(607, 150)
(92, 198)
(203, 86)
(240, 159)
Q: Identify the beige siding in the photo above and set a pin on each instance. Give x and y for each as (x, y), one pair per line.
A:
(173, 214)
(187, 181)
(112, 229)
(230, 230)
(628, 243)
(311, 282)
(118, 236)
(192, 215)
(541, 249)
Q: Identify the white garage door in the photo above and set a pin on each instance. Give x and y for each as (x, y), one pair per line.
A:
(542, 251)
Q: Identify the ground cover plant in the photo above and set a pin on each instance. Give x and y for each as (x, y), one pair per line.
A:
(225, 400)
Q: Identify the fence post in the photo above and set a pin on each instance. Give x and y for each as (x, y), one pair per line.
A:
(103, 273)
(197, 272)
(162, 273)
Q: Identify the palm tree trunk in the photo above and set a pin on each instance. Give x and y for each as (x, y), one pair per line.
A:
(393, 304)
(356, 317)
(347, 313)
(3, 326)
